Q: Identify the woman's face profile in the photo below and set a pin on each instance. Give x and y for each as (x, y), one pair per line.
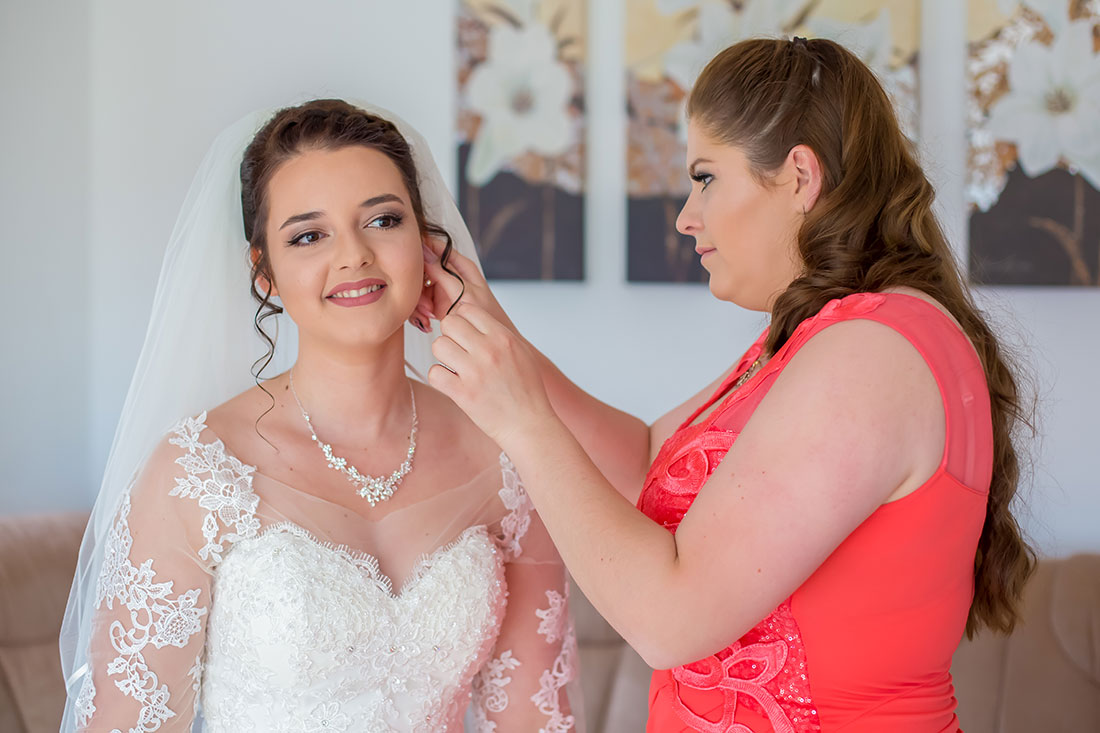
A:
(344, 245)
(745, 230)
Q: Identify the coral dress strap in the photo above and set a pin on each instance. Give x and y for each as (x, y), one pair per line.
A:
(743, 365)
(946, 350)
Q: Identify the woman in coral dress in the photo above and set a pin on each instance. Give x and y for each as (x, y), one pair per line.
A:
(819, 527)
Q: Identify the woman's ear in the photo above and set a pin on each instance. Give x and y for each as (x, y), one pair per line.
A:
(263, 282)
(808, 176)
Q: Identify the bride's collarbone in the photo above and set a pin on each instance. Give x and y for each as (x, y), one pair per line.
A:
(275, 440)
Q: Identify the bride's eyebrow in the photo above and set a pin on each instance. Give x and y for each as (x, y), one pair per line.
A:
(309, 215)
(381, 198)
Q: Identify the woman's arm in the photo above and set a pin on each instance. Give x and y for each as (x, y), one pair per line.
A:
(149, 624)
(621, 445)
(836, 435)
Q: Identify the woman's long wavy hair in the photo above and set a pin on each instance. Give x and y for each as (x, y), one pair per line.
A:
(322, 124)
(871, 228)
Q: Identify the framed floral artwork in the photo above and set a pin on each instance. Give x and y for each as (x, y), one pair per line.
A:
(1033, 129)
(520, 131)
(667, 44)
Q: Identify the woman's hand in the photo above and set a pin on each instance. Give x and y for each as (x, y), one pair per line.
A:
(445, 289)
(491, 374)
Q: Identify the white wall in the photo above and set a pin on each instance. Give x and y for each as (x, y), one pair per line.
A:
(44, 288)
(165, 78)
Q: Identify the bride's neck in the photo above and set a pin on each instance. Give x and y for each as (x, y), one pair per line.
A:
(365, 393)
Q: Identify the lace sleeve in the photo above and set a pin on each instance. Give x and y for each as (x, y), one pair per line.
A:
(524, 684)
(144, 664)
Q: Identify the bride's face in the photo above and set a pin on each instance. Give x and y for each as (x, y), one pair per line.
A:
(344, 245)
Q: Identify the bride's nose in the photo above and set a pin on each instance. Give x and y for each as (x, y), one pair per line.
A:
(353, 251)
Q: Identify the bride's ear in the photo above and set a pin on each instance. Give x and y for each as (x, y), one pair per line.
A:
(263, 283)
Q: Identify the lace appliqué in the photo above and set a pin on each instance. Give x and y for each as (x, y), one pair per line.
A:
(488, 690)
(552, 620)
(300, 622)
(765, 669)
(84, 706)
(157, 618)
(555, 624)
(515, 524)
(327, 717)
(222, 485)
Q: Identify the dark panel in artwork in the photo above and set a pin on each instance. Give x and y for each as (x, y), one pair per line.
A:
(1042, 231)
(656, 251)
(523, 231)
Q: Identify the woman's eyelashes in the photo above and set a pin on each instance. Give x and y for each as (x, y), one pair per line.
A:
(305, 239)
(703, 178)
(382, 221)
(393, 220)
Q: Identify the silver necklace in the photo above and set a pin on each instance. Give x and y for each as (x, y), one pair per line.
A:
(374, 489)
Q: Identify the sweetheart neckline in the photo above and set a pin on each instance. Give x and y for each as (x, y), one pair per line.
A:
(360, 558)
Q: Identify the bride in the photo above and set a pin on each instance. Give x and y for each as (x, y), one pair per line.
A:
(336, 548)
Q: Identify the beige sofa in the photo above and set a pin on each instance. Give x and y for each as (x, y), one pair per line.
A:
(1044, 678)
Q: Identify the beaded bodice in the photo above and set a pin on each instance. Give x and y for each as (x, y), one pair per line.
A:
(216, 600)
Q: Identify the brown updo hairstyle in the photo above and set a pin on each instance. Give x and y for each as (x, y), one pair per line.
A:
(322, 124)
(871, 228)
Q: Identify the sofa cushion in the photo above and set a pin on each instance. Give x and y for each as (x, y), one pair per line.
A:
(37, 560)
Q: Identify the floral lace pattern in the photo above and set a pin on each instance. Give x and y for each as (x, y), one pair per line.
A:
(221, 484)
(311, 636)
(488, 690)
(305, 626)
(556, 624)
(518, 520)
(157, 620)
(85, 706)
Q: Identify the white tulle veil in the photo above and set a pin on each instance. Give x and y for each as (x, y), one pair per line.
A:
(201, 344)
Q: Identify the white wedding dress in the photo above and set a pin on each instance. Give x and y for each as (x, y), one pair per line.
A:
(233, 598)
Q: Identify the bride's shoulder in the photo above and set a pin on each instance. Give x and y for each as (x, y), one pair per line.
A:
(444, 424)
(202, 438)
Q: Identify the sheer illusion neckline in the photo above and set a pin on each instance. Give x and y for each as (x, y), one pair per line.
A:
(363, 560)
(253, 469)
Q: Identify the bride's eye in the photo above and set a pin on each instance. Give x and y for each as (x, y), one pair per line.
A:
(386, 221)
(305, 239)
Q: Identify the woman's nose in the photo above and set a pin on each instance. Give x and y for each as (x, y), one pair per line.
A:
(354, 251)
(688, 222)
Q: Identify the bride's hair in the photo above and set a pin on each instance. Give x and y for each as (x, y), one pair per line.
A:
(322, 124)
(872, 228)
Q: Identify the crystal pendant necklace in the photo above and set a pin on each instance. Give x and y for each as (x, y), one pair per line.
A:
(374, 489)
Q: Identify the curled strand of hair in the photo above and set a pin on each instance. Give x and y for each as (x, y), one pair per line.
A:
(265, 310)
(443, 261)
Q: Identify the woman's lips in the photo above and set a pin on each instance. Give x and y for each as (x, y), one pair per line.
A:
(350, 295)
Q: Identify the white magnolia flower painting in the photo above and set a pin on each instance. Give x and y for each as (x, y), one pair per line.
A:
(668, 42)
(521, 135)
(1034, 175)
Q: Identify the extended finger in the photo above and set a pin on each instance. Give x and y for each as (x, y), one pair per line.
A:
(449, 352)
(444, 380)
(461, 331)
(479, 318)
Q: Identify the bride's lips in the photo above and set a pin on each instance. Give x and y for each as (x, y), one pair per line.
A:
(360, 292)
(704, 251)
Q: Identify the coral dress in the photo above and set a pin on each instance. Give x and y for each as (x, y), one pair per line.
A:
(865, 644)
